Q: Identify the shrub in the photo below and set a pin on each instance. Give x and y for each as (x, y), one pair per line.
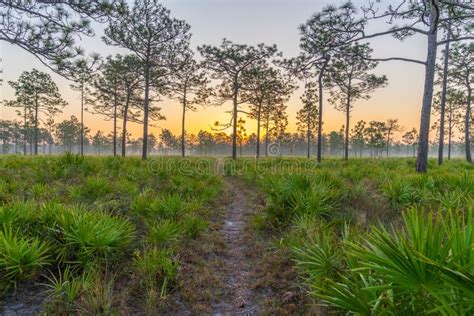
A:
(63, 290)
(21, 257)
(422, 268)
(163, 233)
(156, 268)
(97, 235)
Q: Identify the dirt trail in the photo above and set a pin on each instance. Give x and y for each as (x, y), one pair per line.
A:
(236, 271)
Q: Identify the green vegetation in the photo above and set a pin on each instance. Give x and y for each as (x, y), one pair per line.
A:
(107, 235)
(87, 227)
(371, 237)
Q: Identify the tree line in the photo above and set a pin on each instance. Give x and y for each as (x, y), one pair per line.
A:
(335, 59)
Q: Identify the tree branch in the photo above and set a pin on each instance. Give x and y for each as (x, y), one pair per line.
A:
(463, 38)
(400, 59)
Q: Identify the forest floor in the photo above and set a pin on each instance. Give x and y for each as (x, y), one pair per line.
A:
(234, 270)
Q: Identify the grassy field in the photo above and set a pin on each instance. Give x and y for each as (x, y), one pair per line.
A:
(98, 234)
(371, 236)
(112, 236)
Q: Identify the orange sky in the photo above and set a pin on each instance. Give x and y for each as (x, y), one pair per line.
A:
(249, 22)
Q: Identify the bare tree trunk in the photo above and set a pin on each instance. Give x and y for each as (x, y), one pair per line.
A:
(234, 128)
(145, 111)
(423, 147)
(320, 114)
(467, 126)
(266, 133)
(443, 101)
(450, 131)
(259, 115)
(36, 126)
(124, 125)
(389, 132)
(25, 132)
(82, 119)
(308, 136)
(183, 120)
(348, 114)
(115, 124)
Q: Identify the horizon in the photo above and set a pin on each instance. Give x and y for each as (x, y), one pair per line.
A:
(401, 99)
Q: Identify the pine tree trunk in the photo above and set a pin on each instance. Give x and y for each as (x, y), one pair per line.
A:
(348, 115)
(443, 102)
(259, 115)
(115, 124)
(183, 120)
(25, 132)
(388, 141)
(124, 125)
(450, 131)
(467, 126)
(82, 120)
(145, 111)
(36, 126)
(234, 129)
(423, 147)
(320, 114)
(308, 136)
(266, 133)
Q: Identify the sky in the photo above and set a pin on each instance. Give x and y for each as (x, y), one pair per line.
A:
(248, 22)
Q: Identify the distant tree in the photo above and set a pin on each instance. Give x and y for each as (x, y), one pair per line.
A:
(454, 102)
(307, 117)
(443, 74)
(227, 63)
(152, 143)
(132, 103)
(410, 138)
(205, 141)
(279, 118)
(135, 145)
(106, 93)
(241, 134)
(98, 141)
(391, 126)
(335, 142)
(6, 134)
(38, 94)
(358, 136)
(189, 87)
(44, 138)
(168, 140)
(68, 133)
(157, 40)
(349, 80)
(263, 87)
(375, 134)
(462, 72)
(81, 72)
(117, 93)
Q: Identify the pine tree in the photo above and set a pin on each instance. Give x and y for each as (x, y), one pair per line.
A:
(37, 94)
(158, 40)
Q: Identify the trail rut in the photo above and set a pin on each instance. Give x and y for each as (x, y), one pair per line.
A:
(236, 271)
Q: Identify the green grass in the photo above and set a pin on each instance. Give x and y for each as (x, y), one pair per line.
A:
(85, 226)
(366, 236)
(371, 237)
